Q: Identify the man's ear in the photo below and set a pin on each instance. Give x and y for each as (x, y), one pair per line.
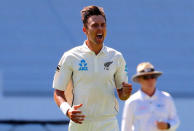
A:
(84, 29)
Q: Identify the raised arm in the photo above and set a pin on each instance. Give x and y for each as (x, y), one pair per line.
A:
(124, 89)
(124, 92)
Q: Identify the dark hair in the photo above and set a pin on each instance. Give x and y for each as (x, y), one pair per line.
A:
(88, 11)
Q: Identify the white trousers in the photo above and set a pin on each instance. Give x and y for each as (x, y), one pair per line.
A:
(108, 124)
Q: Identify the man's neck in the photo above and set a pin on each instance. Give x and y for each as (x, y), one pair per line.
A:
(96, 48)
(149, 90)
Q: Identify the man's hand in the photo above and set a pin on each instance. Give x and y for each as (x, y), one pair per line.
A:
(75, 114)
(161, 125)
(125, 91)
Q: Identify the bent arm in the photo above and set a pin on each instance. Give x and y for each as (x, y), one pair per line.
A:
(121, 80)
(173, 119)
(59, 97)
(72, 112)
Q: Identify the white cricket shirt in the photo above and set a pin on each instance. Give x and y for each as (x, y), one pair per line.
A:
(141, 112)
(94, 78)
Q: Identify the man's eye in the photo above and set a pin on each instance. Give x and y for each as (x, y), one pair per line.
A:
(103, 25)
(95, 25)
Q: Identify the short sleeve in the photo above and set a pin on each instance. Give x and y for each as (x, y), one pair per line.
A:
(63, 73)
(121, 74)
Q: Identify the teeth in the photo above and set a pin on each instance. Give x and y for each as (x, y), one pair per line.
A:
(99, 36)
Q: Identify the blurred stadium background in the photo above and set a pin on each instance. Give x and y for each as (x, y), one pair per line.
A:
(34, 34)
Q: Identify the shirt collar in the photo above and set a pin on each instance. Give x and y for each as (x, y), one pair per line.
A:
(145, 96)
(87, 50)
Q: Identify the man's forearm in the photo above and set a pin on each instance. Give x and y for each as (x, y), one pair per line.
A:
(61, 101)
(59, 97)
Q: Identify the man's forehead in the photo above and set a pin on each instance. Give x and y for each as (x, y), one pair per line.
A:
(96, 19)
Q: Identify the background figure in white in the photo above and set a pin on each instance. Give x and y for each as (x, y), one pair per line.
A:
(149, 109)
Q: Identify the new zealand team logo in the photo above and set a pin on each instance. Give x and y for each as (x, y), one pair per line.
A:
(83, 65)
(107, 65)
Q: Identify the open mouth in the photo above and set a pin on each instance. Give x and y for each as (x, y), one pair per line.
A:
(99, 36)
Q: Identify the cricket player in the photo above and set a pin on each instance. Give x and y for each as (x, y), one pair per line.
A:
(149, 109)
(94, 71)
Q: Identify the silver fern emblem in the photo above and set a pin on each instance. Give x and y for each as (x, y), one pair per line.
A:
(107, 65)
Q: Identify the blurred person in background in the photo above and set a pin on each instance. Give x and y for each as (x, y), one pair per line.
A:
(149, 109)
(94, 71)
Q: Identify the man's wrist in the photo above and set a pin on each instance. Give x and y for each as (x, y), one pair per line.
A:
(120, 89)
(65, 107)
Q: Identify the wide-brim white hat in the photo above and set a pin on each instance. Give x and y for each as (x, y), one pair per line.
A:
(145, 68)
